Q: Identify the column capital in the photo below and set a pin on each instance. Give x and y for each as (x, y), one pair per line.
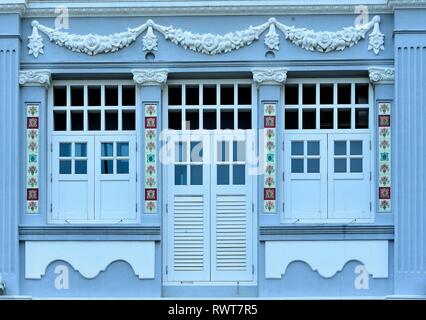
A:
(269, 75)
(380, 75)
(35, 78)
(150, 77)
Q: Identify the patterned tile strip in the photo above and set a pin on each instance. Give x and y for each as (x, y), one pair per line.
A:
(151, 188)
(384, 145)
(32, 154)
(269, 184)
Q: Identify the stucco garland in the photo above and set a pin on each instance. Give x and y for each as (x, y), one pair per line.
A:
(211, 44)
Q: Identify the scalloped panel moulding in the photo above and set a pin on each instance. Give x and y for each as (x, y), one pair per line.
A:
(326, 257)
(89, 258)
(322, 41)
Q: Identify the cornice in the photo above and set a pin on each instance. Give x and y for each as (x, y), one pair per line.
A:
(381, 75)
(35, 78)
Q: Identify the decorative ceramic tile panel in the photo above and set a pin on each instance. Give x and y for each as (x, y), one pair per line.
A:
(151, 188)
(384, 146)
(32, 161)
(269, 182)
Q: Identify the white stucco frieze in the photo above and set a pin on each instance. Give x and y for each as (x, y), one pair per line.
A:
(380, 74)
(34, 78)
(208, 43)
(145, 77)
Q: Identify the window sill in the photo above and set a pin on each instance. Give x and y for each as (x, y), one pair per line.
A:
(344, 221)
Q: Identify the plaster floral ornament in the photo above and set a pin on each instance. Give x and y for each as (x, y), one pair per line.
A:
(149, 41)
(34, 78)
(379, 74)
(208, 43)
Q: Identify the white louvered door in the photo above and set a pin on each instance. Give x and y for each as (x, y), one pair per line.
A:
(210, 218)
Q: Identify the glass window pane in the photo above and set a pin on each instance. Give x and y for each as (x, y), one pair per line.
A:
(222, 174)
(291, 94)
(339, 148)
(122, 166)
(180, 152)
(59, 96)
(128, 120)
(226, 94)
(244, 94)
(340, 165)
(344, 93)
(313, 148)
(60, 120)
(64, 166)
(313, 165)
(111, 96)
(309, 93)
(297, 148)
(361, 118)
(292, 119)
(326, 93)
(128, 96)
(344, 118)
(223, 151)
(239, 151)
(122, 149)
(175, 119)
(209, 94)
(77, 96)
(192, 120)
(65, 149)
(356, 165)
(94, 120)
(227, 119)
(107, 167)
(361, 93)
(196, 151)
(175, 95)
(111, 120)
(309, 119)
(244, 119)
(209, 119)
(80, 149)
(239, 174)
(94, 96)
(297, 166)
(192, 94)
(77, 120)
(107, 149)
(80, 167)
(356, 148)
(196, 175)
(180, 175)
(326, 118)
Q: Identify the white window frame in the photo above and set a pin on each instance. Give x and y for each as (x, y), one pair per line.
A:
(371, 131)
(254, 109)
(105, 133)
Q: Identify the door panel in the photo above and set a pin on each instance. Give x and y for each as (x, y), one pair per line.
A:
(232, 256)
(72, 172)
(115, 172)
(348, 176)
(188, 220)
(305, 173)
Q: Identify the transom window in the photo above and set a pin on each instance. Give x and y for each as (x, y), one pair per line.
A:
(209, 106)
(327, 105)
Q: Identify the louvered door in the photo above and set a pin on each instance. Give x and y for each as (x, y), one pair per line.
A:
(188, 217)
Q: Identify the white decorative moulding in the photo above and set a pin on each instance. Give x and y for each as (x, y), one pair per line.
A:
(34, 78)
(146, 77)
(326, 257)
(381, 75)
(269, 75)
(208, 43)
(89, 258)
